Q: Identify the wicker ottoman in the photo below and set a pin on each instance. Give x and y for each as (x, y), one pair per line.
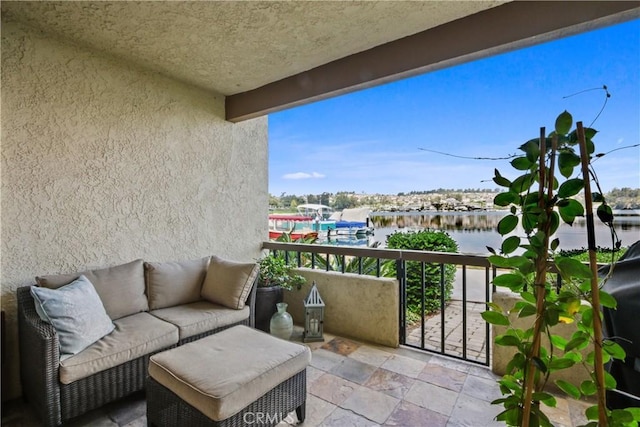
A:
(237, 377)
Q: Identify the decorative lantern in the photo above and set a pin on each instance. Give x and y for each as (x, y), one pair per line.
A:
(313, 316)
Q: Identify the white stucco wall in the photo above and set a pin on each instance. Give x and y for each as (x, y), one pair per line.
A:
(104, 163)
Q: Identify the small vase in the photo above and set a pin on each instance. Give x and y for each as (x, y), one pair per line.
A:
(281, 324)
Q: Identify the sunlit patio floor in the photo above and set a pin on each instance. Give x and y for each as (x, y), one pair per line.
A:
(355, 384)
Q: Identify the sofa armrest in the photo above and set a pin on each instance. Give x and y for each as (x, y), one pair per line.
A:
(251, 302)
(39, 360)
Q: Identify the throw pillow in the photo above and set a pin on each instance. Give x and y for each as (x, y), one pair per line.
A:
(174, 283)
(228, 283)
(76, 313)
(121, 287)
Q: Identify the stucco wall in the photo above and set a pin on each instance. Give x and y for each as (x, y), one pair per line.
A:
(360, 307)
(103, 163)
(501, 355)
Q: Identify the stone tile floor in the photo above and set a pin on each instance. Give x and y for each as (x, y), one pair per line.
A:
(355, 384)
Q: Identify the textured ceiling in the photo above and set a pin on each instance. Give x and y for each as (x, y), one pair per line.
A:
(235, 46)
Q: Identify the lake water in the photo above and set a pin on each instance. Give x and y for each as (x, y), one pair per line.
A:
(474, 231)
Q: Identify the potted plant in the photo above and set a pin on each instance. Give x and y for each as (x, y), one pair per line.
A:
(275, 276)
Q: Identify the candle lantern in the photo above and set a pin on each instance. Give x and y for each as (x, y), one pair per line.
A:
(313, 316)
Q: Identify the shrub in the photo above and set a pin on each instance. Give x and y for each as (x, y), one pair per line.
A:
(425, 240)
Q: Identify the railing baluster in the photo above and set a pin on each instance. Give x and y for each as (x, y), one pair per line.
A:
(422, 305)
(464, 311)
(442, 316)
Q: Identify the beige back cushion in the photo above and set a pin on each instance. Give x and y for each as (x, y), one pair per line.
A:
(121, 287)
(174, 283)
(228, 283)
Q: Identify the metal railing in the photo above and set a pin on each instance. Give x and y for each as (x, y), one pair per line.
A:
(456, 329)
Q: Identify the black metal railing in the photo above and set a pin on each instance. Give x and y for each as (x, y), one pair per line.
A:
(456, 329)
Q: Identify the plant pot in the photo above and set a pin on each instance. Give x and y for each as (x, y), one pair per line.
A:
(266, 300)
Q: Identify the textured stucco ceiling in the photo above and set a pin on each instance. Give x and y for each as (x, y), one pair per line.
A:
(235, 46)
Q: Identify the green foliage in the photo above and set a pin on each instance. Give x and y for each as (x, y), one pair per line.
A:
(425, 240)
(274, 271)
(538, 207)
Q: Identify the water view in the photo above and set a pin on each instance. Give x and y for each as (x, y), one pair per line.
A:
(474, 231)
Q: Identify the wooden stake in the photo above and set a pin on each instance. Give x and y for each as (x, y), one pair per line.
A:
(595, 289)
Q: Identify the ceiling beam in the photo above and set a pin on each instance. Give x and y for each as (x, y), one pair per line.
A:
(503, 28)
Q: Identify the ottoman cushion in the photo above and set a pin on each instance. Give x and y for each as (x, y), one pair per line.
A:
(221, 374)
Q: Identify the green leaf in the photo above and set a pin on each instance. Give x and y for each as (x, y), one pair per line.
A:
(505, 199)
(539, 364)
(555, 243)
(495, 318)
(597, 197)
(560, 363)
(567, 161)
(555, 223)
(592, 412)
(558, 342)
(605, 214)
(578, 341)
(607, 300)
(568, 388)
(510, 244)
(521, 163)
(507, 224)
(572, 268)
(500, 180)
(588, 387)
(570, 187)
(547, 398)
(531, 149)
(563, 123)
(527, 310)
(614, 349)
(509, 280)
(570, 209)
(522, 183)
(609, 382)
(507, 340)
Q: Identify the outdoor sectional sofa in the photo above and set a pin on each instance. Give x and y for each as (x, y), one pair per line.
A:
(143, 307)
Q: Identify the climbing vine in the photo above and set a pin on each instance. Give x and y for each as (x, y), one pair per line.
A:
(553, 169)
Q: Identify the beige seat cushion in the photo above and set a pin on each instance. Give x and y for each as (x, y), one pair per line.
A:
(134, 336)
(121, 287)
(174, 283)
(221, 374)
(199, 317)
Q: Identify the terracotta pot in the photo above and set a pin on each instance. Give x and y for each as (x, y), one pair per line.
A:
(266, 300)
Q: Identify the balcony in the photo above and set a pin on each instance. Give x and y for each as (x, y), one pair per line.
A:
(351, 382)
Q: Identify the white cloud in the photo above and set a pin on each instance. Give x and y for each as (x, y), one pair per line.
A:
(303, 175)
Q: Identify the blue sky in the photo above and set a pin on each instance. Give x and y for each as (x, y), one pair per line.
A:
(370, 141)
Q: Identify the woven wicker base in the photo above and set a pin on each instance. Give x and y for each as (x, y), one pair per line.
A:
(165, 408)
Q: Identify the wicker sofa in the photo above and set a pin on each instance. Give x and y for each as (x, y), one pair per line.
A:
(153, 307)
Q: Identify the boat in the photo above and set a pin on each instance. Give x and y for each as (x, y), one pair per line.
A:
(355, 221)
(296, 226)
(321, 214)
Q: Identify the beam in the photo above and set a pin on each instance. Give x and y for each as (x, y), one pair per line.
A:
(503, 28)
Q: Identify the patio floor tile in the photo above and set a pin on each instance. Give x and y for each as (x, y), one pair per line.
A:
(404, 365)
(325, 360)
(444, 377)
(472, 412)
(332, 388)
(353, 370)
(432, 397)
(390, 383)
(371, 404)
(342, 417)
(408, 414)
(370, 355)
(341, 346)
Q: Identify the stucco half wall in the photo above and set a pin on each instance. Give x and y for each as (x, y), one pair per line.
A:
(502, 355)
(357, 306)
(104, 162)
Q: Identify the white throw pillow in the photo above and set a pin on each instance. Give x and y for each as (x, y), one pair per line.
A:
(76, 312)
